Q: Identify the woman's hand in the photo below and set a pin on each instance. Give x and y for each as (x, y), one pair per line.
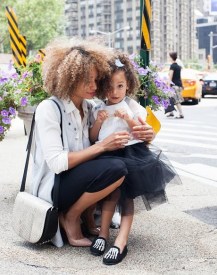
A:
(102, 116)
(143, 132)
(115, 141)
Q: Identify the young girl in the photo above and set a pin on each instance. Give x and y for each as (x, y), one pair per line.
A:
(147, 172)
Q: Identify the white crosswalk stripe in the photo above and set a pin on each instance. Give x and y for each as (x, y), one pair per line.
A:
(191, 147)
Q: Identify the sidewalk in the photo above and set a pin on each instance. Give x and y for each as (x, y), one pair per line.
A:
(179, 238)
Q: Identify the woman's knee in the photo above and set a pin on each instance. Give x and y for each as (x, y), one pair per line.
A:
(116, 166)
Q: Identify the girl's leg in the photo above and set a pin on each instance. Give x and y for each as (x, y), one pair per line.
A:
(126, 223)
(72, 217)
(108, 209)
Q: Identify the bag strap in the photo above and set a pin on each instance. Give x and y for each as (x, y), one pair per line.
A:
(28, 149)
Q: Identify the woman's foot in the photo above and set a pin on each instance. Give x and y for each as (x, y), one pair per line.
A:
(98, 246)
(114, 256)
(90, 224)
(73, 231)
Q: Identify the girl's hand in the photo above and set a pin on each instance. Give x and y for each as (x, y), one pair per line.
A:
(115, 141)
(102, 116)
(122, 113)
(143, 132)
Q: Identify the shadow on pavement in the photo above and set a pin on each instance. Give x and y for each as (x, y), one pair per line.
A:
(207, 215)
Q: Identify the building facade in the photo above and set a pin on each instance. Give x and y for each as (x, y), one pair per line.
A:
(173, 26)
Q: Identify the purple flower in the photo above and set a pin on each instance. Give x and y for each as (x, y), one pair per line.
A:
(4, 113)
(156, 99)
(0, 98)
(14, 75)
(132, 56)
(136, 65)
(6, 120)
(1, 129)
(24, 101)
(10, 65)
(142, 71)
(164, 103)
(12, 111)
(3, 80)
(25, 75)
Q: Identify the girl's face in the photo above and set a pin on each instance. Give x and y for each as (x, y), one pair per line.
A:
(87, 91)
(119, 87)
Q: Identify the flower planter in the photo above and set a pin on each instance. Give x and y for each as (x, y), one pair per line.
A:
(26, 114)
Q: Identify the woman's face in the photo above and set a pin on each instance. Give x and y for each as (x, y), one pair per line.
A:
(84, 90)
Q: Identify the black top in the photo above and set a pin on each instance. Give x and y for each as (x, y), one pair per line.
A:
(176, 74)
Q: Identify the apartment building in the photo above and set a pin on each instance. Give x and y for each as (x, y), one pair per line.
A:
(173, 25)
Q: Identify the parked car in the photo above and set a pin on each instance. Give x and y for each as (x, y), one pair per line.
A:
(192, 86)
(210, 84)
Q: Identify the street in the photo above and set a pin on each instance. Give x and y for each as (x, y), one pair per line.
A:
(178, 238)
(191, 143)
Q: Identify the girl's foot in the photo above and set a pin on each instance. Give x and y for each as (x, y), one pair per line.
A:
(98, 246)
(73, 232)
(113, 256)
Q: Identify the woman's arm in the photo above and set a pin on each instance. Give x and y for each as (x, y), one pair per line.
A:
(171, 72)
(49, 134)
(113, 142)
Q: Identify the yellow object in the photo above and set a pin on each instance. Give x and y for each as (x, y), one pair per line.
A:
(42, 54)
(152, 120)
(146, 22)
(18, 42)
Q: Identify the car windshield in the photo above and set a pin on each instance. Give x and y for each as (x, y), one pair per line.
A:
(210, 77)
(187, 74)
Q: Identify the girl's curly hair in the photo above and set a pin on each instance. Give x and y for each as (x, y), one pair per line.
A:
(67, 63)
(130, 74)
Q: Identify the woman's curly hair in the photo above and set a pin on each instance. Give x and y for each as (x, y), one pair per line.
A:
(130, 74)
(67, 63)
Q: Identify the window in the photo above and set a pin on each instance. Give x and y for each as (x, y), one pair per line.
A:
(200, 56)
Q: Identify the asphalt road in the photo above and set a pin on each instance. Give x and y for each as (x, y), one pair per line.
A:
(191, 143)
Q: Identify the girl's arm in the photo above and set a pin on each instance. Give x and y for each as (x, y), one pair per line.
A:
(94, 131)
(49, 135)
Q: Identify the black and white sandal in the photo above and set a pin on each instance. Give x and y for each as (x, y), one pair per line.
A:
(113, 256)
(98, 246)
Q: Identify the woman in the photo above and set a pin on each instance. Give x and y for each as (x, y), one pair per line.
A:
(175, 77)
(71, 75)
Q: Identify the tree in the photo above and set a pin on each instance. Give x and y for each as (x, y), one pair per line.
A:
(39, 20)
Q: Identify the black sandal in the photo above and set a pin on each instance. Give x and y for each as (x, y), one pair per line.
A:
(113, 256)
(181, 116)
(170, 115)
(98, 246)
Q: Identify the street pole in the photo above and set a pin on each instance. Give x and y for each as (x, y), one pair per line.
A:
(211, 50)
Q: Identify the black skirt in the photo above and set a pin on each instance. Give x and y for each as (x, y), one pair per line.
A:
(149, 171)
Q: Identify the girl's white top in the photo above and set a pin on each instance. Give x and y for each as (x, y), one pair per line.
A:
(115, 124)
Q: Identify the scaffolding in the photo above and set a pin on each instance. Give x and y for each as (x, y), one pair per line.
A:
(71, 12)
(105, 16)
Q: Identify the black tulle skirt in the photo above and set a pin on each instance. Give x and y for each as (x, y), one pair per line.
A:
(149, 172)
